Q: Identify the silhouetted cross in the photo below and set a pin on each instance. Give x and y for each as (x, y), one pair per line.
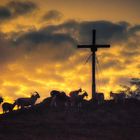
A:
(94, 47)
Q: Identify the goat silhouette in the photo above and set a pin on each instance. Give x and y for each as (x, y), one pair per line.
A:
(26, 102)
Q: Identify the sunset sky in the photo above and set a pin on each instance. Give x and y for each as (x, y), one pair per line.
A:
(39, 38)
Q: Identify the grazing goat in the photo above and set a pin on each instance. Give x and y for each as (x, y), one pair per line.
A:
(100, 98)
(59, 99)
(118, 96)
(75, 93)
(26, 102)
(77, 100)
(7, 107)
(54, 93)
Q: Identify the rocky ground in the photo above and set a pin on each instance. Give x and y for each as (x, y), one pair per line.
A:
(109, 121)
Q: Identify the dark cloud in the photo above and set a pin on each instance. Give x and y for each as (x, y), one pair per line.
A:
(58, 42)
(102, 81)
(122, 80)
(58, 37)
(40, 37)
(14, 9)
(114, 64)
(130, 54)
(52, 15)
(82, 31)
(107, 31)
(133, 30)
(5, 13)
(21, 8)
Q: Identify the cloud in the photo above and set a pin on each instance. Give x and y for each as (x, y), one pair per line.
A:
(130, 54)
(122, 80)
(133, 30)
(13, 9)
(106, 31)
(52, 15)
(5, 13)
(40, 37)
(115, 63)
(82, 32)
(21, 8)
(47, 58)
(66, 36)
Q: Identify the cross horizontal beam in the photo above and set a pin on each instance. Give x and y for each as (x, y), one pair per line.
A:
(93, 46)
(84, 46)
(102, 46)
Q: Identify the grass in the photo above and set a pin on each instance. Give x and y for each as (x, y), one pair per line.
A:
(105, 122)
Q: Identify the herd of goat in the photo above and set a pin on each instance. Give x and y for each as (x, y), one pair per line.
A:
(75, 98)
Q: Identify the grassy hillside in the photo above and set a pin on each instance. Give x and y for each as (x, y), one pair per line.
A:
(105, 122)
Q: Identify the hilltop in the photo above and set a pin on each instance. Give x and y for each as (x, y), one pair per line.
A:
(109, 121)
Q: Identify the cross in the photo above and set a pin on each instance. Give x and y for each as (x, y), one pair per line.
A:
(94, 47)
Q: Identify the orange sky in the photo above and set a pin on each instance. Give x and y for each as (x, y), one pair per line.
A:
(33, 57)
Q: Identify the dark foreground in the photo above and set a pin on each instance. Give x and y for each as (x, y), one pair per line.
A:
(105, 122)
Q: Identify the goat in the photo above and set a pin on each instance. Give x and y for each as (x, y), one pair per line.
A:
(77, 100)
(26, 102)
(7, 107)
(54, 93)
(100, 98)
(60, 98)
(118, 96)
(80, 99)
(75, 93)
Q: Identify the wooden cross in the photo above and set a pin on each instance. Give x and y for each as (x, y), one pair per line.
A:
(94, 47)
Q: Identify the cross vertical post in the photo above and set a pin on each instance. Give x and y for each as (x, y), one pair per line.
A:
(93, 50)
(93, 75)
(94, 47)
